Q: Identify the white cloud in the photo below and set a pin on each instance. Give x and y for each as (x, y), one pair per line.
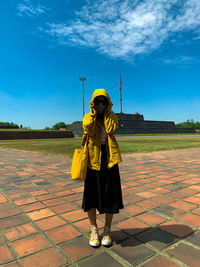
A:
(29, 9)
(183, 62)
(188, 60)
(196, 38)
(126, 28)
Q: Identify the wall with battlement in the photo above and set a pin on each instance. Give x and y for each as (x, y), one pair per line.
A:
(135, 124)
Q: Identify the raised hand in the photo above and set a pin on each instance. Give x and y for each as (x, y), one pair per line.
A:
(92, 109)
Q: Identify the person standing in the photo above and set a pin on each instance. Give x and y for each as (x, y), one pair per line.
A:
(102, 186)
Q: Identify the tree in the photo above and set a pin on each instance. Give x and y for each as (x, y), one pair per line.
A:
(59, 125)
(188, 124)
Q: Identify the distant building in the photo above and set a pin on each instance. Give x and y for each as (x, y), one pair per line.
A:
(135, 124)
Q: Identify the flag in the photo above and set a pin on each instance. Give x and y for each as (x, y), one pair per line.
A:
(120, 88)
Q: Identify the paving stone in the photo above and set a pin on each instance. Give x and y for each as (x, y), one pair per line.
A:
(194, 239)
(9, 212)
(36, 190)
(30, 244)
(12, 221)
(1, 239)
(40, 214)
(48, 257)
(133, 210)
(185, 253)
(176, 228)
(84, 225)
(132, 226)
(50, 222)
(117, 217)
(160, 261)
(9, 188)
(192, 199)
(102, 259)
(197, 211)
(156, 238)
(42, 183)
(12, 264)
(132, 251)
(53, 202)
(32, 206)
(149, 204)
(74, 215)
(147, 194)
(150, 218)
(62, 233)
(44, 197)
(188, 191)
(6, 206)
(63, 208)
(183, 205)
(117, 236)
(77, 248)
(191, 219)
(19, 231)
(169, 211)
(73, 197)
(5, 254)
(25, 201)
(163, 199)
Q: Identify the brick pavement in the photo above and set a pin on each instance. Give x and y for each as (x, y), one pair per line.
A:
(42, 223)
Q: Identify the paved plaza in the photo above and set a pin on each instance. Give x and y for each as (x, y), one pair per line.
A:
(42, 223)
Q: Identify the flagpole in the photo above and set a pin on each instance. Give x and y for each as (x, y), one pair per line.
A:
(121, 100)
(120, 93)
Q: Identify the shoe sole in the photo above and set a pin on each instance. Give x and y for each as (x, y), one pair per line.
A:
(94, 244)
(106, 243)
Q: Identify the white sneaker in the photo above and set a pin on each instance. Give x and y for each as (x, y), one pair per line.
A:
(94, 236)
(107, 240)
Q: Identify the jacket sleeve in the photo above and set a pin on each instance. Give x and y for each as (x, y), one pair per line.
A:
(89, 122)
(111, 123)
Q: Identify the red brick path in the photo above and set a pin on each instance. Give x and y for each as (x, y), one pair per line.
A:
(42, 223)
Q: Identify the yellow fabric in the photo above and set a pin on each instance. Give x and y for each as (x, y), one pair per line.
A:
(92, 128)
(79, 163)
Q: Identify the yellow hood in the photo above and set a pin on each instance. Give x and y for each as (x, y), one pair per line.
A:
(103, 92)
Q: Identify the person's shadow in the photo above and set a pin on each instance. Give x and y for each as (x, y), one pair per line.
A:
(158, 237)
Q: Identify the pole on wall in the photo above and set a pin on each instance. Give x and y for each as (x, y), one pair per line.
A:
(83, 79)
(120, 101)
(120, 89)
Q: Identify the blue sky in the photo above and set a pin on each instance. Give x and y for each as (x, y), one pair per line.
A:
(46, 45)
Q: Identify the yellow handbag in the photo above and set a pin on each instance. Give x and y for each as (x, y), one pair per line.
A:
(80, 162)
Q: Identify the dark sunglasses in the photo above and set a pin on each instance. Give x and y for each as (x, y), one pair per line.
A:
(97, 101)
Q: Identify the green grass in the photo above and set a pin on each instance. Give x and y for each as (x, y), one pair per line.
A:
(152, 134)
(66, 146)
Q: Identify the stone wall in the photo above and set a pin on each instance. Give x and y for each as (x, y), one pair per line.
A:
(132, 117)
(154, 130)
(135, 124)
(4, 135)
(9, 127)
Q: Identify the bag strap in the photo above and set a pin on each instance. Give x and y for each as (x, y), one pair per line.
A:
(84, 142)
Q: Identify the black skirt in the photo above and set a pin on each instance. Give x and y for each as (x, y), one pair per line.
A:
(102, 189)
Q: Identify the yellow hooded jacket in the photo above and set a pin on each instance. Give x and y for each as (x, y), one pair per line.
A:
(92, 128)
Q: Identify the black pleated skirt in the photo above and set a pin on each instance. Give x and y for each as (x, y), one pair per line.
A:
(102, 189)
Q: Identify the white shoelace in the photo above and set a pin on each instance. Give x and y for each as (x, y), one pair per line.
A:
(94, 232)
